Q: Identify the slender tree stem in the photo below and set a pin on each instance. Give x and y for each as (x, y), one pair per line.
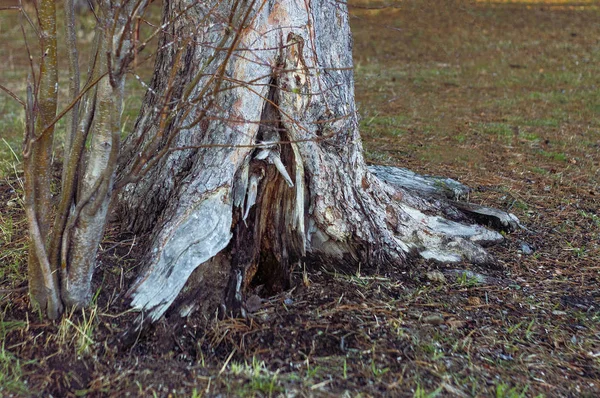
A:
(38, 163)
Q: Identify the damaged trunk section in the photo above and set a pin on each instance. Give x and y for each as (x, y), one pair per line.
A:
(269, 217)
(233, 201)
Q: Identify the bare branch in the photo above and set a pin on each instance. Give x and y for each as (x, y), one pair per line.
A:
(13, 95)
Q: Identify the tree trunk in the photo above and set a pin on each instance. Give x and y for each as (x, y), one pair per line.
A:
(66, 228)
(272, 173)
(37, 154)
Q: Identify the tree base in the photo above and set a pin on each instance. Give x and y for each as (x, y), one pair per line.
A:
(275, 174)
(221, 284)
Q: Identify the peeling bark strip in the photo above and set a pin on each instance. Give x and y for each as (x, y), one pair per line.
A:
(202, 232)
(303, 192)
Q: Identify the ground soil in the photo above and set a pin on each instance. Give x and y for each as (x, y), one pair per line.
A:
(502, 97)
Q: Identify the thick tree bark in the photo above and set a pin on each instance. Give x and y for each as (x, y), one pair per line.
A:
(270, 169)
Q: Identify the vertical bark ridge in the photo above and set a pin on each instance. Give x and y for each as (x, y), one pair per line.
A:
(147, 199)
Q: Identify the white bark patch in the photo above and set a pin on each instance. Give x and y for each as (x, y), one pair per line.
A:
(427, 185)
(441, 226)
(448, 241)
(439, 255)
(252, 193)
(300, 187)
(203, 233)
(241, 184)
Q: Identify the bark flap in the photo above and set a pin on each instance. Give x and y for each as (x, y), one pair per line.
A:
(200, 235)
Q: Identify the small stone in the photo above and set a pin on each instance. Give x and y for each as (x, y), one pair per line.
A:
(525, 248)
(456, 324)
(436, 276)
(474, 301)
(559, 313)
(253, 303)
(288, 301)
(433, 319)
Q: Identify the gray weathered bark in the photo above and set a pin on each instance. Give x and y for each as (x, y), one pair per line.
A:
(269, 170)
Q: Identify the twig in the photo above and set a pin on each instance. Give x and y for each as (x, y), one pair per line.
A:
(13, 95)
